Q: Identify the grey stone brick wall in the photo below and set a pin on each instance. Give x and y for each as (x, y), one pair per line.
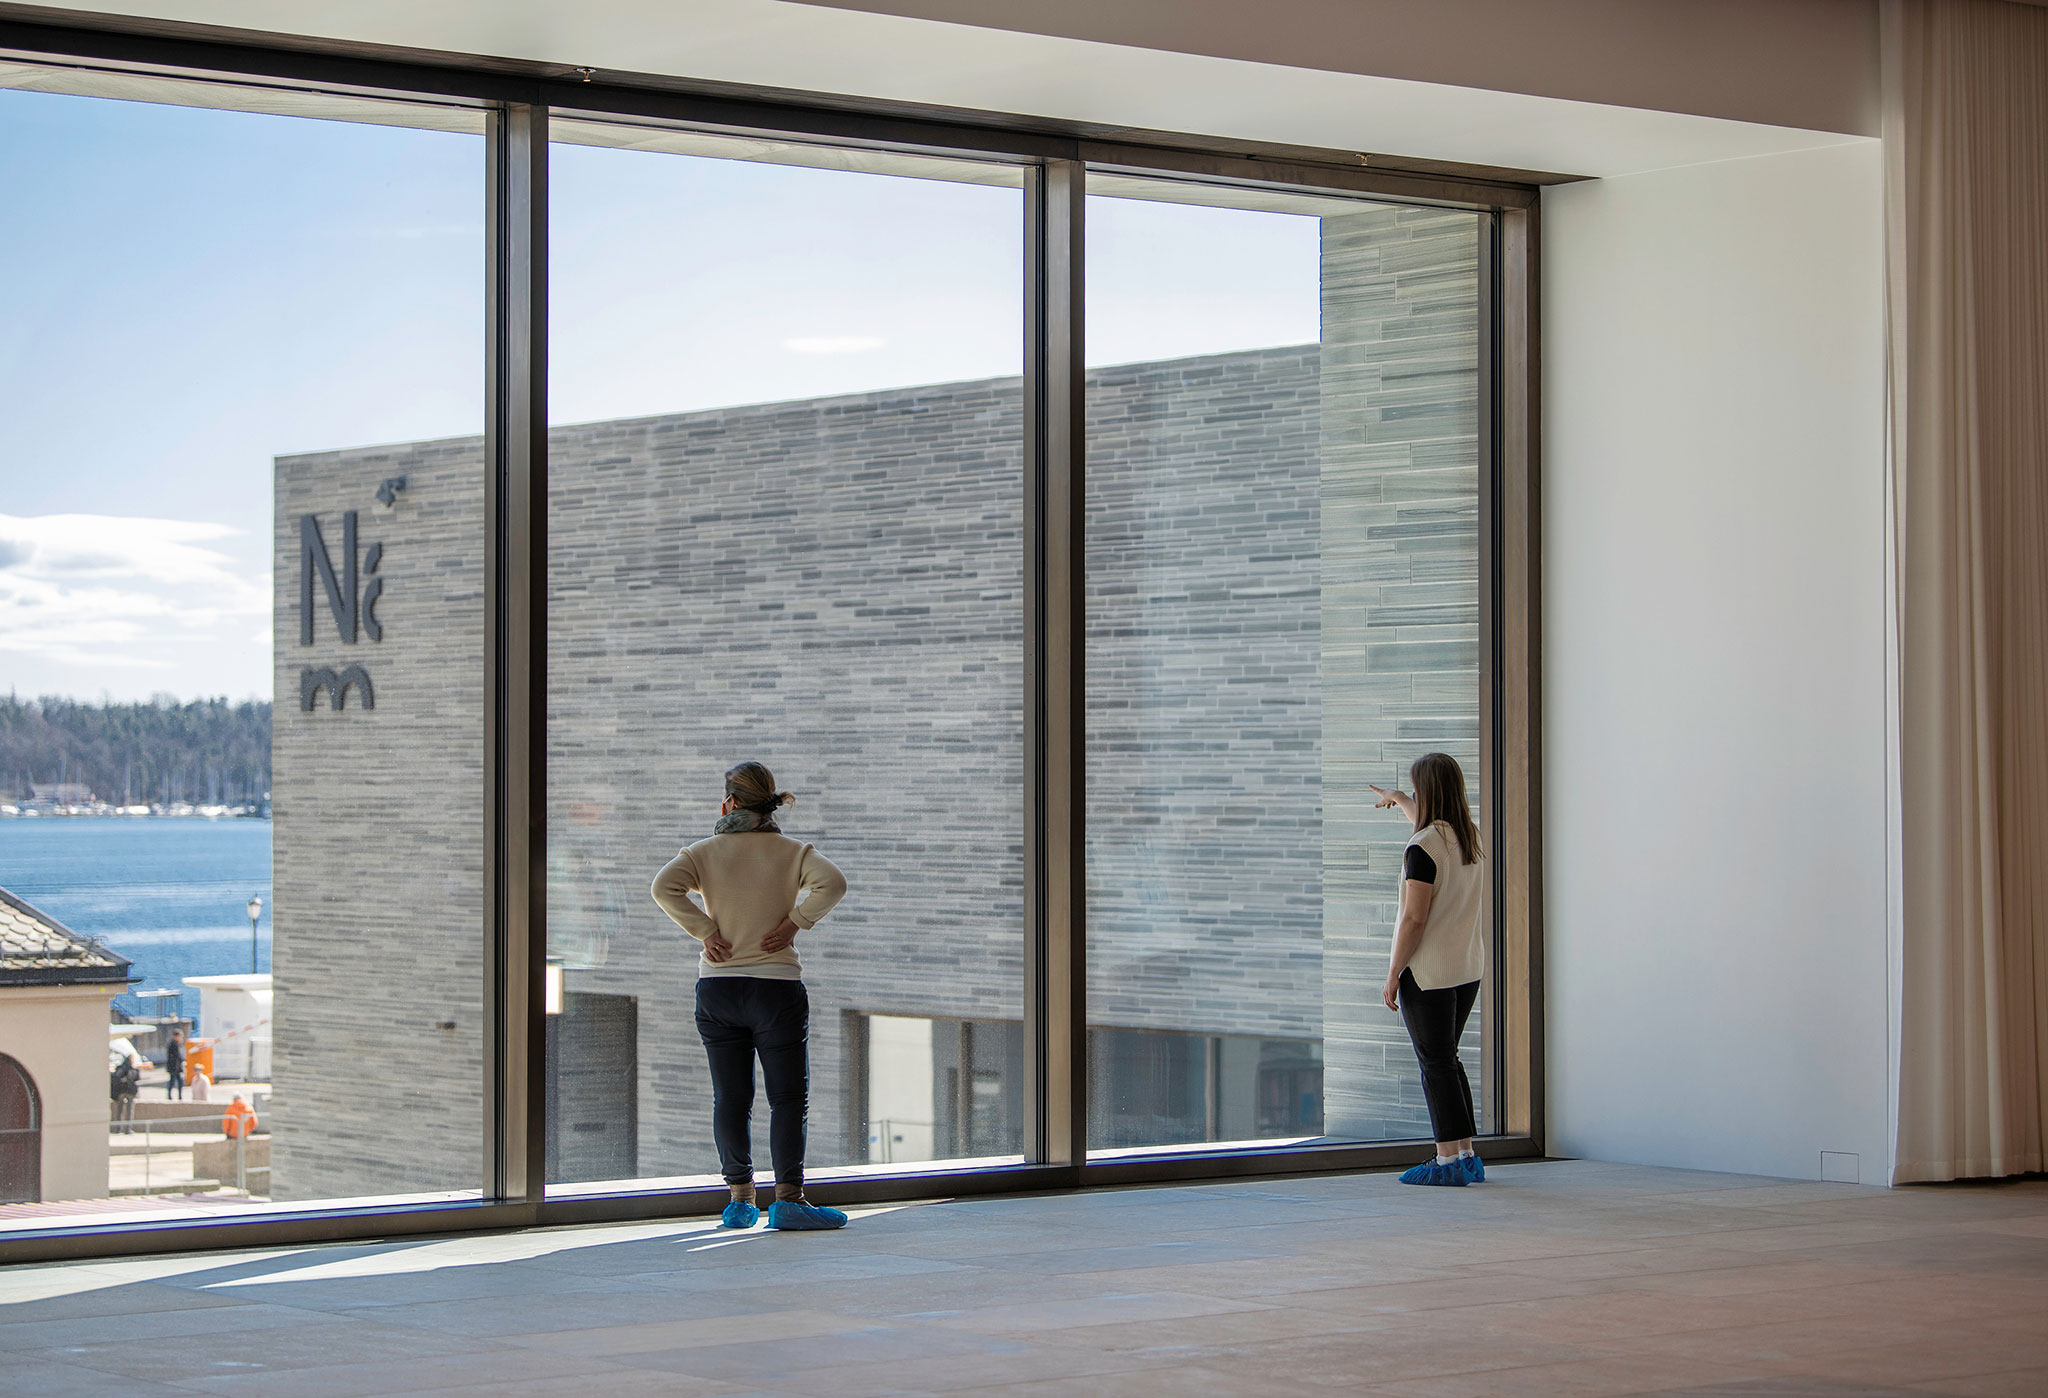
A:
(1204, 695)
(834, 587)
(1399, 542)
(377, 908)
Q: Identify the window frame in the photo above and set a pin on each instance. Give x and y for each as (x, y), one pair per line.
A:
(518, 100)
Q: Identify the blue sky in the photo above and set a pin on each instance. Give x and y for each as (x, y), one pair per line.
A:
(192, 293)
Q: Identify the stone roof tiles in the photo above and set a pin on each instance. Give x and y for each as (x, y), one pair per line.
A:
(36, 949)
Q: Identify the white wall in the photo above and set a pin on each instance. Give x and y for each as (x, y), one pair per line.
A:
(59, 1034)
(1714, 756)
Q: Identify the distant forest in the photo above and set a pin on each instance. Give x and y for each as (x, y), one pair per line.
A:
(207, 751)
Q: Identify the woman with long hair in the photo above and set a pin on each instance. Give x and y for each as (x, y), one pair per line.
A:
(750, 990)
(1440, 955)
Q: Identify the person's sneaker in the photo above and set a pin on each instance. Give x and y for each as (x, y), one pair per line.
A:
(793, 1215)
(1435, 1172)
(1474, 1168)
(739, 1214)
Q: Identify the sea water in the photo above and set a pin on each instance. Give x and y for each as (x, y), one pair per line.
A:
(168, 893)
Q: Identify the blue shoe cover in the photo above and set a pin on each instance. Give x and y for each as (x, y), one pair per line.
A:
(792, 1216)
(1474, 1168)
(1433, 1172)
(739, 1214)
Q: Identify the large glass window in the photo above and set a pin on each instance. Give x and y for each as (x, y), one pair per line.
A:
(1283, 606)
(245, 634)
(786, 525)
(241, 753)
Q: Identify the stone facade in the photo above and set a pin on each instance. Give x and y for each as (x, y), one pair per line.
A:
(1204, 799)
(1282, 602)
(377, 906)
(1399, 541)
(833, 588)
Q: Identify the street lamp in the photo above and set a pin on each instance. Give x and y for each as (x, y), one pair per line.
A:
(255, 911)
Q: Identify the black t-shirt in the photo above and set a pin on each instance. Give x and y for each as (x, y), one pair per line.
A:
(1417, 865)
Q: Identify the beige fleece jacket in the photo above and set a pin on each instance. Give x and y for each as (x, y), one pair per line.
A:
(748, 883)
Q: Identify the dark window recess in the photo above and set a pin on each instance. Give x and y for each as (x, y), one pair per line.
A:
(593, 1053)
(1162, 1087)
(973, 1107)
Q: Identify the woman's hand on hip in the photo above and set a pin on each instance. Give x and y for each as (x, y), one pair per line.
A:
(784, 933)
(1391, 991)
(716, 947)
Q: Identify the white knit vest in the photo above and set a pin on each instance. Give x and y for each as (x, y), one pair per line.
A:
(1454, 940)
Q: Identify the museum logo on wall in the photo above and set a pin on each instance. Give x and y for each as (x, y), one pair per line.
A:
(351, 592)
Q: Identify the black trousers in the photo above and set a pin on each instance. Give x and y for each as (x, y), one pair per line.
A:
(739, 1018)
(1436, 1021)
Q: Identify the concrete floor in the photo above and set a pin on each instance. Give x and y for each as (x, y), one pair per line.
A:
(1567, 1278)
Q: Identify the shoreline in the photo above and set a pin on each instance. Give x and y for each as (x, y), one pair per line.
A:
(177, 811)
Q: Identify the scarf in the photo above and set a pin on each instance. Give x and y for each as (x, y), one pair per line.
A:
(742, 820)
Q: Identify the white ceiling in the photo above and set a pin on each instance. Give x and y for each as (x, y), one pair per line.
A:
(768, 43)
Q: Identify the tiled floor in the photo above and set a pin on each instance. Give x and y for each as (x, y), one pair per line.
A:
(1567, 1278)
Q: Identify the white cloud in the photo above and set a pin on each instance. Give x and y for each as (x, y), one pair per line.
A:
(117, 590)
(834, 344)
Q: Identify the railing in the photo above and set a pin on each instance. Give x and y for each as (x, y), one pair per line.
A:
(208, 1124)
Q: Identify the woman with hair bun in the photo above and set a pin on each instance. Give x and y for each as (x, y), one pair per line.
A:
(750, 991)
(1440, 955)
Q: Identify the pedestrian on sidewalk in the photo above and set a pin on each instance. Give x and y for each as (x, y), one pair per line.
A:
(174, 1064)
(1440, 955)
(125, 1085)
(751, 1000)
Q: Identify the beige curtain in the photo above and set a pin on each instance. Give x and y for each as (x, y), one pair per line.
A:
(1966, 136)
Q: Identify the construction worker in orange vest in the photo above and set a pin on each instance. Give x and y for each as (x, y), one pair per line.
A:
(238, 1120)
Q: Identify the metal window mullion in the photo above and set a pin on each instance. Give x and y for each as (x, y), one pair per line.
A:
(1488, 427)
(516, 643)
(1035, 330)
(1055, 1018)
(1519, 693)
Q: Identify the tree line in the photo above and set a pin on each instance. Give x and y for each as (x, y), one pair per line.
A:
(206, 751)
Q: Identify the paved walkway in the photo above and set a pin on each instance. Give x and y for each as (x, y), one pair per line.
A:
(1565, 1278)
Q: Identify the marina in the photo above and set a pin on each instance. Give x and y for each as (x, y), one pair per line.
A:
(184, 902)
(170, 894)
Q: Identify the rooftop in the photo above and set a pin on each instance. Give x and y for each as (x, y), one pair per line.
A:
(36, 949)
